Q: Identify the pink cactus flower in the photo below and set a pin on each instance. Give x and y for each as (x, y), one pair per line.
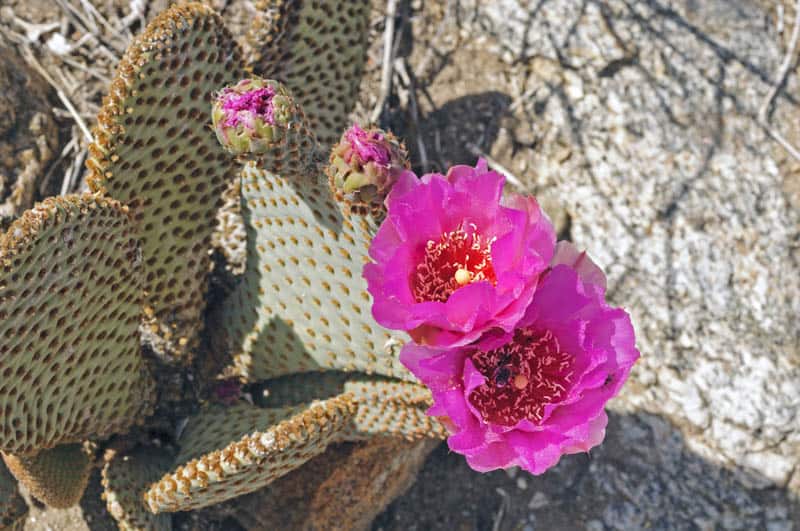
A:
(364, 165)
(453, 260)
(530, 396)
(242, 107)
(251, 115)
(368, 146)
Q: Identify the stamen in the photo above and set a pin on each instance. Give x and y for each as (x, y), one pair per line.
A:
(538, 371)
(457, 259)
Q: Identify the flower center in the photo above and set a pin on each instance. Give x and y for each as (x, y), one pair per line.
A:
(257, 101)
(457, 259)
(522, 377)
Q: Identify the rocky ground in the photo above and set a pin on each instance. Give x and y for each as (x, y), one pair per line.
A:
(637, 124)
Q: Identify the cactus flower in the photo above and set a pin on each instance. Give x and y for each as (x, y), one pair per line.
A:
(530, 396)
(365, 164)
(243, 115)
(453, 260)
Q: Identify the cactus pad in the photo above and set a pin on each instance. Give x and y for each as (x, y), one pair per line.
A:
(266, 445)
(57, 477)
(318, 49)
(155, 152)
(70, 363)
(125, 479)
(383, 406)
(302, 304)
(13, 508)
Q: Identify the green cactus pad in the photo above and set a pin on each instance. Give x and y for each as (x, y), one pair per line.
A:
(125, 480)
(302, 304)
(57, 477)
(154, 150)
(383, 406)
(227, 452)
(70, 289)
(13, 509)
(318, 49)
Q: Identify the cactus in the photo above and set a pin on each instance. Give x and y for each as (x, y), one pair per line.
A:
(125, 479)
(318, 50)
(223, 457)
(69, 309)
(57, 477)
(13, 509)
(85, 279)
(154, 152)
(301, 305)
(303, 414)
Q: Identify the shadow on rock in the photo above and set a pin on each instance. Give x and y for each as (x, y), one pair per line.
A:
(457, 131)
(642, 477)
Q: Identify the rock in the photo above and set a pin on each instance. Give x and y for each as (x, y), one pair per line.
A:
(677, 191)
(345, 488)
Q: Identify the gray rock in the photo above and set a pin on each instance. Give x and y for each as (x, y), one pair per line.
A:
(677, 191)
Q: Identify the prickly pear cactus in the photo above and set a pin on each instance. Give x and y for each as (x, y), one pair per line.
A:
(227, 452)
(301, 304)
(84, 279)
(126, 477)
(155, 152)
(318, 49)
(70, 287)
(57, 477)
(13, 508)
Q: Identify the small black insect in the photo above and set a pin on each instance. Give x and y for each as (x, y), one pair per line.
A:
(501, 376)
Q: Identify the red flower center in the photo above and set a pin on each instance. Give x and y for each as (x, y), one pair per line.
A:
(522, 377)
(457, 259)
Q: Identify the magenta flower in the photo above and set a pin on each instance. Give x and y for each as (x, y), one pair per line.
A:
(452, 261)
(367, 146)
(245, 107)
(364, 165)
(248, 117)
(530, 396)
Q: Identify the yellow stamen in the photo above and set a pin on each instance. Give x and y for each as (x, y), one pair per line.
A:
(520, 381)
(462, 277)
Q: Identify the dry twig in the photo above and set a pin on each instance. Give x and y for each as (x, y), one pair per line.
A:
(496, 166)
(388, 61)
(402, 71)
(28, 55)
(783, 72)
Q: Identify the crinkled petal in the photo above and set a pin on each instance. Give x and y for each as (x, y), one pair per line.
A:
(567, 254)
(420, 213)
